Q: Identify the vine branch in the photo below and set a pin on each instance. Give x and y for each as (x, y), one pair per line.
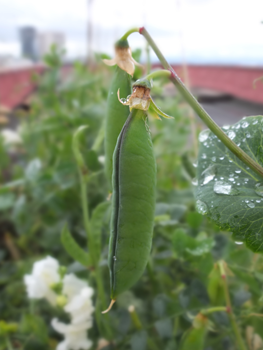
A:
(199, 109)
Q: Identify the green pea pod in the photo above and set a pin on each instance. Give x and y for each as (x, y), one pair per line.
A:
(117, 114)
(194, 338)
(134, 178)
(215, 287)
(133, 196)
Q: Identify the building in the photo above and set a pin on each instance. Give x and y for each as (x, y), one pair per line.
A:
(28, 40)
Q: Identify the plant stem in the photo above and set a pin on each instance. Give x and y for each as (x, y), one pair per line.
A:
(200, 111)
(84, 201)
(213, 309)
(159, 73)
(239, 340)
(84, 177)
(129, 32)
(134, 317)
(8, 344)
(138, 325)
(148, 67)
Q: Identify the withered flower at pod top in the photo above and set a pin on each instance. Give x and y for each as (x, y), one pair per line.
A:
(123, 57)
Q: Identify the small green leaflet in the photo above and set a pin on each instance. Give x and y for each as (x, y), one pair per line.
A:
(228, 191)
(96, 224)
(73, 249)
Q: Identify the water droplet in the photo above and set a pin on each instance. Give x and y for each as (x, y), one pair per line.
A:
(245, 125)
(203, 156)
(221, 158)
(195, 165)
(246, 179)
(195, 181)
(259, 189)
(201, 207)
(248, 136)
(213, 159)
(258, 200)
(238, 171)
(238, 144)
(203, 136)
(231, 134)
(255, 122)
(226, 127)
(237, 126)
(231, 179)
(223, 187)
(208, 174)
(114, 258)
(238, 242)
(251, 205)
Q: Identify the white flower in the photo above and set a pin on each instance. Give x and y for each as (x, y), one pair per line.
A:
(75, 335)
(80, 307)
(72, 285)
(44, 275)
(11, 137)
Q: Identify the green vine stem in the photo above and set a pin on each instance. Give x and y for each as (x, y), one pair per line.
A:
(138, 325)
(129, 32)
(84, 178)
(161, 73)
(8, 344)
(239, 340)
(213, 309)
(199, 109)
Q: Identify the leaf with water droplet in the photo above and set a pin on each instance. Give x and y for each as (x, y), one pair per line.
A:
(233, 201)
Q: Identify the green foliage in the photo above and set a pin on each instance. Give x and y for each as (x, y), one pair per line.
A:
(73, 249)
(40, 198)
(228, 191)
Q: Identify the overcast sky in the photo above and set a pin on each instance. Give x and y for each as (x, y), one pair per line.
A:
(227, 31)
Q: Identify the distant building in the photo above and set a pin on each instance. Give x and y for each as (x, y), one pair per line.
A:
(47, 39)
(28, 40)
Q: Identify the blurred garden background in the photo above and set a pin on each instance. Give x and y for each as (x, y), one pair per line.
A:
(52, 81)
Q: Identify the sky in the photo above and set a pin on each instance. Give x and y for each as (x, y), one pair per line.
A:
(195, 31)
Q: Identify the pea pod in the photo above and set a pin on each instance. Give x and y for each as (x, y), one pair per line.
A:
(116, 115)
(116, 112)
(194, 338)
(133, 197)
(133, 202)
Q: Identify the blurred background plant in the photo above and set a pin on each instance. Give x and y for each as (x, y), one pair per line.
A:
(198, 286)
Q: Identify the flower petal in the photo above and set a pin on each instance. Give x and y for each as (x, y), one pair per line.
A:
(111, 62)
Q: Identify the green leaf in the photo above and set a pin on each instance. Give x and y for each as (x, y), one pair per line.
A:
(96, 225)
(33, 169)
(92, 161)
(34, 324)
(248, 278)
(228, 191)
(181, 241)
(73, 249)
(139, 340)
(169, 214)
(76, 146)
(7, 201)
(202, 247)
(194, 219)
